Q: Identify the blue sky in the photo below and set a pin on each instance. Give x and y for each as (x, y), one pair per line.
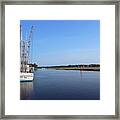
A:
(63, 42)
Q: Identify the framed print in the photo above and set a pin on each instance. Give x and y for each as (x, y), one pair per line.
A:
(59, 59)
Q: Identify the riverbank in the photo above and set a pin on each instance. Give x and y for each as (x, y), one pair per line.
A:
(83, 67)
(73, 68)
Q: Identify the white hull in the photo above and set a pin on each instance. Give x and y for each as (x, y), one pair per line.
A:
(26, 76)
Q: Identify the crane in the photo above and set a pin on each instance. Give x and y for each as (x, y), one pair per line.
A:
(29, 41)
(25, 46)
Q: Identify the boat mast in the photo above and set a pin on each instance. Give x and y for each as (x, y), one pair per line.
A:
(25, 49)
(29, 44)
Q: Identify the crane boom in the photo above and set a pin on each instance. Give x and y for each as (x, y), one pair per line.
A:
(25, 46)
(29, 41)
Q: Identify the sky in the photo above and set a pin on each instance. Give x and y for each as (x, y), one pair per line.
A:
(63, 42)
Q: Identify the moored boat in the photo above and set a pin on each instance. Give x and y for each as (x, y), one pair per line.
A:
(26, 69)
(27, 74)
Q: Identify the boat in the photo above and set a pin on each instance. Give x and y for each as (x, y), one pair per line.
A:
(26, 68)
(27, 74)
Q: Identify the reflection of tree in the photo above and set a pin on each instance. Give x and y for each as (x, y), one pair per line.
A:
(26, 89)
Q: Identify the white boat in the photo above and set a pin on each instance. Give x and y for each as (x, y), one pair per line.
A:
(26, 69)
(26, 76)
(27, 73)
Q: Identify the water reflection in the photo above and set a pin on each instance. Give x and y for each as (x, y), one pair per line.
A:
(81, 76)
(26, 89)
(62, 85)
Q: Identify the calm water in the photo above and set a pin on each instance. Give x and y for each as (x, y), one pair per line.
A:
(62, 85)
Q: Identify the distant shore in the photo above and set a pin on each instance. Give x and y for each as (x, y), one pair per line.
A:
(81, 69)
(90, 67)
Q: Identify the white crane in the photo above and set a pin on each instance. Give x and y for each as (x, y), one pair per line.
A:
(25, 48)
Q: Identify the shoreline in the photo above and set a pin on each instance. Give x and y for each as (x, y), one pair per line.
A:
(80, 69)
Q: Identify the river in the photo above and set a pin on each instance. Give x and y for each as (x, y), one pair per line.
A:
(62, 85)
